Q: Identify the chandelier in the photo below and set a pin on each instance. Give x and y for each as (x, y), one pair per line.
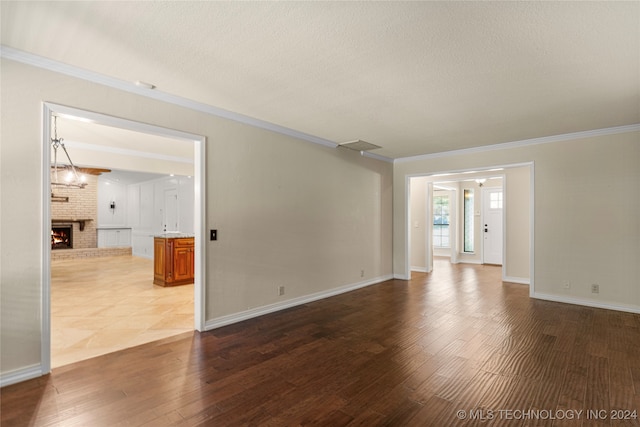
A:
(70, 175)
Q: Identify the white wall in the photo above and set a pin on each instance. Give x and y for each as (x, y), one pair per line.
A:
(579, 237)
(111, 191)
(289, 213)
(146, 205)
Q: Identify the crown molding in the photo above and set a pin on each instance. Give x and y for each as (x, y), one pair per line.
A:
(377, 157)
(91, 76)
(72, 71)
(524, 143)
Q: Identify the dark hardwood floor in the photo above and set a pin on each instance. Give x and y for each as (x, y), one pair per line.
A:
(455, 347)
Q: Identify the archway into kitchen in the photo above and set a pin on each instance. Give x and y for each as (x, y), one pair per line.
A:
(104, 293)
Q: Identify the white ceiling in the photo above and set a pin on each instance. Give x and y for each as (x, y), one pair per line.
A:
(105, 138)
(412, 77)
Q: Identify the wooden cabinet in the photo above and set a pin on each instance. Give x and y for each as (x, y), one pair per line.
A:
(173, 259)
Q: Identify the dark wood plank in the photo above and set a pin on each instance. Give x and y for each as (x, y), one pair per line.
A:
(395, 353)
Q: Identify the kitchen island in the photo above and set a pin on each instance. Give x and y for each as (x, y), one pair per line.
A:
(173, 257)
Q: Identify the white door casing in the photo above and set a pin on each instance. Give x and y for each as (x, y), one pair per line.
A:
(429, 228)
(48, 109)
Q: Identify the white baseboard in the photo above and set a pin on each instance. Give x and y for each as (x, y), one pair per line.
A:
(22, 374)
(259, 311)
(400, 277)
(520, 280)
(586, 302)
(419, 269)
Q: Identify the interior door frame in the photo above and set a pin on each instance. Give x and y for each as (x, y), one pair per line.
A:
(402, 266)
(428, 238)
(48, 109)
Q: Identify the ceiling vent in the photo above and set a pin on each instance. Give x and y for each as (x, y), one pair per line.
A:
(359, 145)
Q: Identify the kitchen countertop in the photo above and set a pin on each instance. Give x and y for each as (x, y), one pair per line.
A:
(174, 236)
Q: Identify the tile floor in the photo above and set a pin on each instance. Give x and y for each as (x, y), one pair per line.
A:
(101, 305)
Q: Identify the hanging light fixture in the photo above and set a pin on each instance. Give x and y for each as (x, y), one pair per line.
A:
(70, 175)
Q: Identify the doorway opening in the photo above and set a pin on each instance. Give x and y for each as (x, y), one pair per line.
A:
(446, 220)
(129, 159)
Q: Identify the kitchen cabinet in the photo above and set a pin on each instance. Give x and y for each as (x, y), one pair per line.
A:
(114, 237)
(173, 260)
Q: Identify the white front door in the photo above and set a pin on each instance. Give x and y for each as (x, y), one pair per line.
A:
(170, 210)
(492, 207)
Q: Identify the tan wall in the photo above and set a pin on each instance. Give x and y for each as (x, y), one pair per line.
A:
(418, 225)
(517, 205)
(580, 236)
(289, 213)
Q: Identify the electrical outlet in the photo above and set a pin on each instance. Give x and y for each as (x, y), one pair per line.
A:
(595, 288)
(361, 273)
(280, 290)
(566, 285)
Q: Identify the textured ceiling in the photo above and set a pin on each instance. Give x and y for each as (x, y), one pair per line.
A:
(412, 77)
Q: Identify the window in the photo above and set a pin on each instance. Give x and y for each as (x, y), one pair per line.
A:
(495, 200)
(441, 221)
(468, 220)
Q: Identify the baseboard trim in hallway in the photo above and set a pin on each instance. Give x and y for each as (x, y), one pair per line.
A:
(271, 308)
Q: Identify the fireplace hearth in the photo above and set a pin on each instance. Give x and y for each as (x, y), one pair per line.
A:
(62, 236)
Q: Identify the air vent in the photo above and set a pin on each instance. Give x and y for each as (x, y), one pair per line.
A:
(359, 145)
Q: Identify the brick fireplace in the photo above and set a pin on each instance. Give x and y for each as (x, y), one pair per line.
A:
(77, 210)
(61, 236)
(82, 204)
